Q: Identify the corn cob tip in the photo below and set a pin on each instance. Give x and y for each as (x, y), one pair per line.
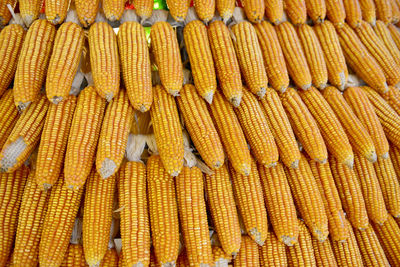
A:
(45, 186)
(384, 156)
(322, 86)
(306, 86)
(245, 169)
(321, 161)
(261, 93)
(167, 264)
(372, 157)
(11, 153)
(342, 84)
(256, 236)
(235, 100)
(57, 99)
(108, 168)
(295, 164)
(349, 162)
(22, 106)
(209, 97)
(273, 164)
(109, 97)
(28, 19)
(56, 20)
(288, 240)
(72, 187)
(320, 235)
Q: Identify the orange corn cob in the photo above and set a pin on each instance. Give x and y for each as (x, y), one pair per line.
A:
(205, 9)
(143, 8)
(74, 256)
(368, 11)
(56, 11)
(316, 10)
(254, 10)
(248, 255)
(323, 253)
(110, 259)
(296, 11)
(274, 11)
(335, 12)
(86, 11)
(353, 13)
(5, 14)
(383, 10)
(8, 116)
(388, 235)
(395, 33)
(29, 10)
(113, 9)
(178, 9)
(392, 96)
(225, 8)
(273, 252)
(302, 253)
(384, 35)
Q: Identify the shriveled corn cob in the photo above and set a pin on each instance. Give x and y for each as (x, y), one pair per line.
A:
(231, 134)
(316, 10)
(225, 8)
(383, 10)
(87, 11)
(395, 33)
(32, 63)
(205, 9)
(395, 11)
(226, 63)
(274, 11)
(83, 137)
(368, 11)
(67, 50)
(335, 12)
(143, 8)
(199, 123)
(220, 258)
(302, 253)
(388, 235)
(279, 202)
(248, 255)
(56, 10)
(304, 126)
(113, 9)
(323, 253)
(8, 116)
(273, 252)
(274, 60)
(29, 10)
(5, 14)
(279, 125)
(353, 13)
(24, 137)
(74, 256)
(201, 60)
(11, 188)
(392, 96)
(296, 11)
(110, 259)
(178, 9)
(254, 10)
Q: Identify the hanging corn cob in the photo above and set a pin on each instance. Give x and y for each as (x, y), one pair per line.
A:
(335, 12)
(248, 255)
(383, 10)
(143, 8)
(392, 96)
(384, 35)
(388, 235)
(274, 11)
(29, 10)
(254, 10)
(316, 10)
(74, 256)
(273, 252)
(178, 9)
(353, 13)
(296, 11)
(323, 253)
(205, 9)
(110, 259)
(302, 253)
(8, 116)
(113, 9)
(368, 11)
(225, 8)
(5, 14)
(394, 32)
(56, 11)
(87, 11)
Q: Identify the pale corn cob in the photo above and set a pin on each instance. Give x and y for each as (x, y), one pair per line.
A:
(74, 256)
(201, 60)
(225, 8)
(11, 188)
(304, 126)
(316, 10)
(332, 131)
(388, 235)
(104, 59)
(248, 255)
(279, 202)
(226, 63)
(335, 12)
(323, 253)
(274, 11)
(231, 134)
(273, 252)
(360, 60)
(296, 11)
(368, 11)
(110, 259)
(24, 137)
(392, 96)
(8, 116)
(383, 10)
(205, 9)
(384, 35)
(256, 129)
(223, 209)
(5, 14)
(249, 199)
(87, 11)
(199, 123)
(279, 125)
(33, 62)
(358, 136)
(29, 10)
(302, 253)
(364, 110)
(113, 9)
(371, 250)
(250, 58)
(353, 13)
(350, 193)
(395, 11)
(167, 130)
(64, 61)
(54, 239)
(143, 8)
(178, 9)
(11, 39)
(83, 137)
(56, 10)
(220, 258)
(53, 142)
(254, 10)
(274, 60)
(395, 33)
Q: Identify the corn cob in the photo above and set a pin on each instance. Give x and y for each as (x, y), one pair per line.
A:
(274, 11)
(296, 11)
(273, 252)
(144, 8)
(67, 50)
(32, 63)
(333, 54)
(302, 253)
(87, 11)
(364, 110)
(371, 250)
(350, 193)
(360, 60)
(335, 12)
(220, 258)
(24, 136)
(225, 8)
(11, 188)
(368, 11)
(83, 137)
(274, 60)
(178, 9)
(248, 255)
(316, 10)
(226, 63)
(205, 9)
(164, 217)
(279, 125)
(56, 11)
(395, 157)
(223, 209)
(5, 14)
(74, 256)
(231, 134)
(395, 11)
(201, 60)
(199, 123)
(29, 10)
(384, 35)
(323, 253)
(11, 39)
(353, 13)
(332, 131)
(279, 202)
(388, 235)
(383, 10)
(395, 33)
(113, 9)
(392, 97)
(167, 130)
(52, 253)
(53, 142)
(254, 10)
(8, 116)
(110, 259)
(304, 126)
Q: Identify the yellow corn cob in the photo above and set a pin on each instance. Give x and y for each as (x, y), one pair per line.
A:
(11, 39)
(304, 126)
(199, 123)
(395, 33)
(353, 13)
(273, 252)
(231, 134)
(323, 253)
(54, 239)
(104, 59)
(357, 134)
(392, 96)
(87, 11)
(178, 9)
(248, 255)
(383, 10)
(250, 58)
(5, 14)
(83, 137)
(64, 61)
(143, 8)
(220, 258)
(113, 9)
(384, 35)
(296, 11)
(256, 130)
(274, 11)
(11, 188)
(53, 142)
(274, 60)
(395, 157)
(205, 9)
(167, 130)
(74, 256)
(335, 12)
(316, 10)
(226, 63)
(110, 259)
(302, 253)
(333, 54)
(350, 193)
(249, 196)
(368, 11)
(395, 11)
(332, 131)
(223, 209)
(279, 202)
(225, 8)
(254, 10)
(360, 60)
(56, 11)
(24, 137)
(388, 235)
(371, 250)
(8, 116)
(364, 110)
(201, 60)
(29, 10)
(32, 63)
(279, 125)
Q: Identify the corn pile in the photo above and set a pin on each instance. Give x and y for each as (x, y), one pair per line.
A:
(262, 136)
